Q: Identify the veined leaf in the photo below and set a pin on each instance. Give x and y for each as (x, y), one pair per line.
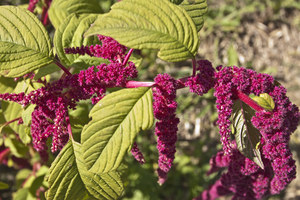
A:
(69, 179)
(247, 137)
(24, 42)
(156, 24)
(70, 34)
(64, 179)
(195, 9)
(100, 185)
(61, 9)
(265, 101)
(116, 120)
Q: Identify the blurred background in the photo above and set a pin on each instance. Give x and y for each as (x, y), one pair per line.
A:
(262, 35)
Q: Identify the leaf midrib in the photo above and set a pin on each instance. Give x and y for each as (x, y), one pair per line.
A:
(119, 126)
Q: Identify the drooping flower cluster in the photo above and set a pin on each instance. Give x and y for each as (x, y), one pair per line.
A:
(228, 82)
(202, 81)
(108, 49)
(164, 107)
(53, 101)
(244, 179)
(137, 154)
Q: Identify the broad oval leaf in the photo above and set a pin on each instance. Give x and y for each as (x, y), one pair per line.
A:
(63, 178)
(195, 9)
(155, 24)
(247, 137)
(61, 9)
(265, 101)
(106, 186)
(116, 120)
(24, 42)
(70, 34)
(69, 179)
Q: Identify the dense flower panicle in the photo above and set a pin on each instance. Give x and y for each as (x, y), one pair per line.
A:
(109, 49)
(217, 162)
(137, 154)
(224, 100)
(203, 81)
(53, 101)
(244, 179)
(164, 107)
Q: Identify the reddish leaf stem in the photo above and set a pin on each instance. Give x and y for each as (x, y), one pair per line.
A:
(62, 67)
(127, 57)
(4, 154)
(247, 100)
(69, 127)
(136, 84)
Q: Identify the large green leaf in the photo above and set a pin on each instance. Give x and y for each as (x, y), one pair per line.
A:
(64, 179)
(116, 120)
(61, 9)
(247, 137)
(69, 179)
(100, 185)
(70, 34)
(24, 42)
(195, 9)
(155, 24)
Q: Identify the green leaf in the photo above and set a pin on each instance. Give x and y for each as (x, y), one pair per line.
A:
(24, 42)
(48, 69)
(116, 120)
(265, 101)
(100, 185)
(7, 85)
(3, 186)
(156, 24)
(26, 115)
(70, 34)
(24, 193)
(16, 147)
(21, 176)
(247, 137)
(69, 179)
(61, 9)
(196, 9)
(64, 179)
(13, 111)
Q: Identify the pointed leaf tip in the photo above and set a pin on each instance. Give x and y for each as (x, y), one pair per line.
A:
(156, 24)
